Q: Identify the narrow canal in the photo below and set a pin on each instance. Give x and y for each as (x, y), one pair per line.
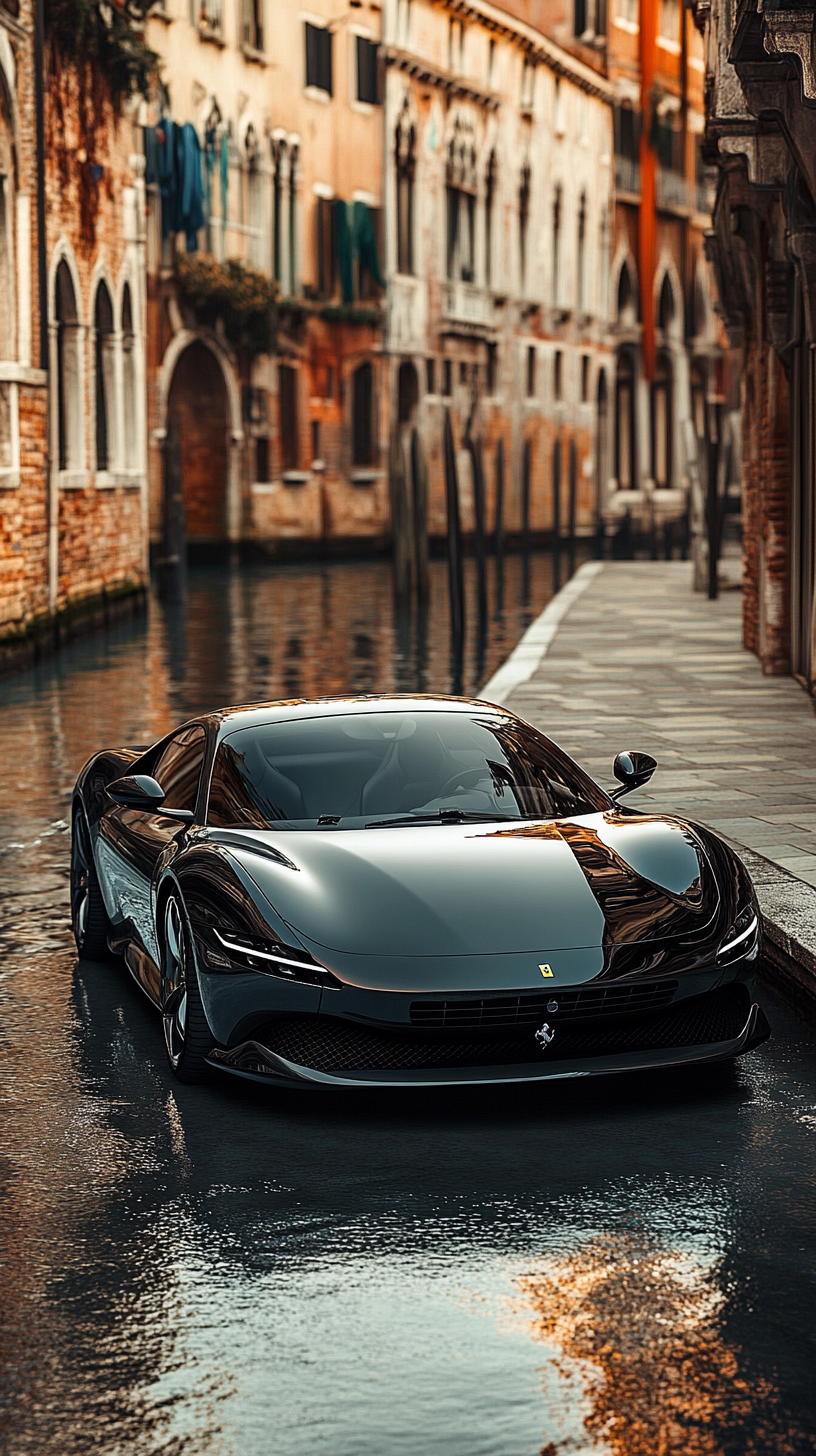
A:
(625, 1267)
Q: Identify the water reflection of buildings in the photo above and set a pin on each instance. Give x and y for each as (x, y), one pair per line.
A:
(639, 1325)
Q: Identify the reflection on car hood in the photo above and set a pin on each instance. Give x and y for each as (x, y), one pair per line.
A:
(602, 879)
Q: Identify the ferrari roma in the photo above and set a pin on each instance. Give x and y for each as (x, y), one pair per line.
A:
(395, 891)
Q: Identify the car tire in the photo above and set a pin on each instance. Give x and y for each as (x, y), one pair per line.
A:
(187, 1036)
(89, 918)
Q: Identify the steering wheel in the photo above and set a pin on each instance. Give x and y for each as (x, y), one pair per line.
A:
(459, 779)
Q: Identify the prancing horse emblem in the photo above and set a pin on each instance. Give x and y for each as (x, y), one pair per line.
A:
(545, 1035)
(545, 970)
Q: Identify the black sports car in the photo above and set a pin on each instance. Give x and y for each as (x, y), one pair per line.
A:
(407, 891)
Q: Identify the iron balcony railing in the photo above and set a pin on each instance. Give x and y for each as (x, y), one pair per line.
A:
(672, 188)
(627, 175)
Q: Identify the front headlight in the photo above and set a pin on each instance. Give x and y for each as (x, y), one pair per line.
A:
(741, 939)
(224, 950)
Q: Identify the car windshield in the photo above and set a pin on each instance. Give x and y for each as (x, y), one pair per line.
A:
(358, 770)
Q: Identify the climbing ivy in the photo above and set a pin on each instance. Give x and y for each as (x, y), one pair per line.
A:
(107, 38)
(245, 301)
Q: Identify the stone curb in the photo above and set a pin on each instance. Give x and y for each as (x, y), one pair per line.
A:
(532, 649)
(787, 904)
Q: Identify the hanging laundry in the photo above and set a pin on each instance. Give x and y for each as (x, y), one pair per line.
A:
(151, 151)
(345, 250)
(224, 167)
(173, 161)
(366, 242)
(191, 217)
(165, 154)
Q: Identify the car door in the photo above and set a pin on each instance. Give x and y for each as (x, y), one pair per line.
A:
(131, 841)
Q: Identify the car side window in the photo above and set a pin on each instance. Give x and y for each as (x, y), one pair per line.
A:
(178, 770)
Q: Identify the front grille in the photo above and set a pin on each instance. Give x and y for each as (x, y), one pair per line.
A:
(531, 1008)
(329, 1045)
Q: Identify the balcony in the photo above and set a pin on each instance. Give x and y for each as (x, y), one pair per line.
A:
(467, 304)
(407, 314)
(672, 189)
(627, 175)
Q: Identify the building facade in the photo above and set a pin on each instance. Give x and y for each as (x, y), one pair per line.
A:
(498, 184)
(393, 173)
(761, 132)
(72, 466)
(281, 436)
(670, 352)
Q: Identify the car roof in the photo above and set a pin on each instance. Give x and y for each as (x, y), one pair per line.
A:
(254, 715)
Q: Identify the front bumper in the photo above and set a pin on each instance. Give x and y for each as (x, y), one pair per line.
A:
(256, 1062)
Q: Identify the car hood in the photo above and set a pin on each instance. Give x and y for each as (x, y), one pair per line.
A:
(452, 890)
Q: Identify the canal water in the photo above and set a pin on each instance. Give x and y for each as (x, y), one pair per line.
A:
(626, 1267)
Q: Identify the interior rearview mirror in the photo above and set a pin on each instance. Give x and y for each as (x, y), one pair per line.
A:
(632, 770)
(140, 791)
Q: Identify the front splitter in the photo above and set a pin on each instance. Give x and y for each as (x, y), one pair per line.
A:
(256, 1063)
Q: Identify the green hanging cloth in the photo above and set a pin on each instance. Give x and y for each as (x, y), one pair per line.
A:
(345, 250)
(365, 243)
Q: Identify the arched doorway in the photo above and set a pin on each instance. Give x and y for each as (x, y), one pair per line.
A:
(601, 448)
(198, 402)
(661, 462)
(407, 392)
(625, 470)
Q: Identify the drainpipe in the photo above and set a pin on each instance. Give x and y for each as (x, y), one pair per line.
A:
(42, 298)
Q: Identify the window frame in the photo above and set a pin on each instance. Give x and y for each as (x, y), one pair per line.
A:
(363, 39)
(318, 53)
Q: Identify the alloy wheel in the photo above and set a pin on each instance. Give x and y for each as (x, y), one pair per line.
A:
(80, 879)
(174, 981)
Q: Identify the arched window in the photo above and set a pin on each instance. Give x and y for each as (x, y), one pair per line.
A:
(461, 196)
(254, 197)
(601, 444)
(407, 392)
(698, 398)
(602, 275)
(524, 223)
(490, 194)
(129, 382)
(8, 392)
(626, 298)
(665, 307)
(362, 422)
(405, 157)
(661, 422)
(284, 217)
(104, 363)
(69, 402)
(556, 247)
(625, 421)
(581, 298)
(6, 270)
(699, 311)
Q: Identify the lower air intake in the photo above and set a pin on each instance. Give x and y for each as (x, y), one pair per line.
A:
(329, 1045)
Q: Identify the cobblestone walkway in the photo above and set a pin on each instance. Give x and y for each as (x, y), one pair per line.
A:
(640, 661)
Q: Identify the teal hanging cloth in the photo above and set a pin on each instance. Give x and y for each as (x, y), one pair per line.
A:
(224, 174)
(210, 142)
(365, 243)
(345, 250)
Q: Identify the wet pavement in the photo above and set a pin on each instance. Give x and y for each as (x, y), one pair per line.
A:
(623, 1267)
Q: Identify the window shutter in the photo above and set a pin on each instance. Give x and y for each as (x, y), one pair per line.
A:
(312, 62)
(325, 63)
(367, 71)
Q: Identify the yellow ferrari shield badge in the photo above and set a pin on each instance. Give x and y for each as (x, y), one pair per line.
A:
(545, 970)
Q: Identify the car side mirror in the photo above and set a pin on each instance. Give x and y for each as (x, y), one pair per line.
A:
(632, 770)
(140, 791)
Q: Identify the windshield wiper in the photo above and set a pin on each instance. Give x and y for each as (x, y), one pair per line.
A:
(443, 816)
